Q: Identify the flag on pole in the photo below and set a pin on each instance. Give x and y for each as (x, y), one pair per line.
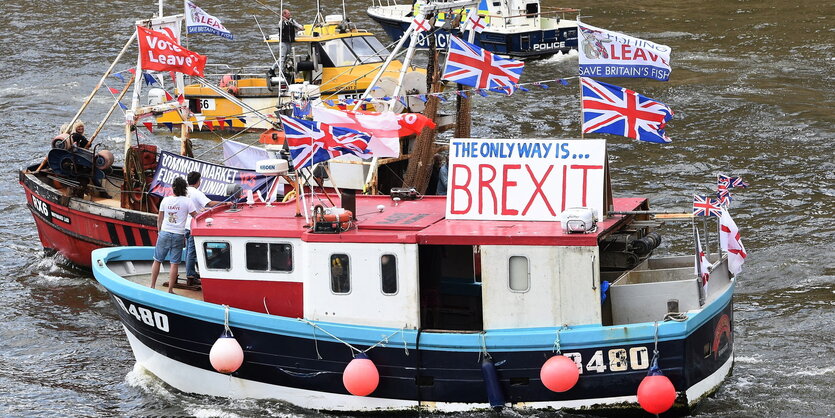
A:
(313, 142)
(702, 266)
(619, 111)
(731, 242)
(113, 91)
(420, 24)
(704, 206)
(605, 53)
(473, 66)
(159, 51)
(198, 21)
(475, 21)
(730, 181)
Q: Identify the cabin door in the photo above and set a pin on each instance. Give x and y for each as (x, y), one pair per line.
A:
(450, 287)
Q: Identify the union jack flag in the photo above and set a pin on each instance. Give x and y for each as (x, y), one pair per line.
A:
(472, 66)
(704, 206)
(724, 195)
(615, 110)
(312, 142)
(730, 181)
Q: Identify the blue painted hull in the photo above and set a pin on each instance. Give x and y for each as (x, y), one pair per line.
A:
(532, 44)
(426, 366)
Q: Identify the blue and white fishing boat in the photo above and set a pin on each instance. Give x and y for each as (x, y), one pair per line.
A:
(438, 303)
(515, 28)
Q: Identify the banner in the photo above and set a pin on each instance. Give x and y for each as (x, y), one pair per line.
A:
(214, 178)
(524, 180)
(160, 52)
(198, 21)
(240, 155)
(605, 53)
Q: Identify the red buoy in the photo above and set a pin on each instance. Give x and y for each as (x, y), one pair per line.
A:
(559, 373)
(226, 354)
(361, 376)
(656, 394)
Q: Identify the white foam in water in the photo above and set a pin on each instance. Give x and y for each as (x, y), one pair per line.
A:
(815, 372)
(141, 378)
(748, 359)
(210, 413)
(560, 57)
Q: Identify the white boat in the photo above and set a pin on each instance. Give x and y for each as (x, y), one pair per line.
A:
(516, 28)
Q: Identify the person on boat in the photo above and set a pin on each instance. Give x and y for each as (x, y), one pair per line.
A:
(174, 211)
(77, 135)
(288, 29)
(200, 202)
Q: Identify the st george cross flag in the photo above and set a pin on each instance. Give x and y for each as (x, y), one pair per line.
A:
(704, 206)
(702, 266)
(731, 242)
(472, 66)
(604, 53)
(616, 110)
(313, 142)
(199, 21)
(475, 21)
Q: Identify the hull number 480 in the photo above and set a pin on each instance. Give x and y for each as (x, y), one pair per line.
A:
(145, 315)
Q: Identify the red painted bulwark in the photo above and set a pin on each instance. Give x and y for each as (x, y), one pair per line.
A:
(280, 298)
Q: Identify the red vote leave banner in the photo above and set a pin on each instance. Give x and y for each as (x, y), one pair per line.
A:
(161, 52)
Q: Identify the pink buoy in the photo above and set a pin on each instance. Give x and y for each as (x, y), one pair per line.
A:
(559, 373)
(226, 354)
(656, 394)
(361, 376)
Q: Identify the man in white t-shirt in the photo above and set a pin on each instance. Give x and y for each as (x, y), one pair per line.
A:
(174, 211)
(200, 202)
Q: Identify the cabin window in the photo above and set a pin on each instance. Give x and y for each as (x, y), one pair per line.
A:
(262, 256)
(217, 255)
(388, 273)
(340, 274)
(340, 55)
(519, 274)
(365, 52)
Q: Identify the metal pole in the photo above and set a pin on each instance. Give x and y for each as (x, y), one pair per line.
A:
(406, 35)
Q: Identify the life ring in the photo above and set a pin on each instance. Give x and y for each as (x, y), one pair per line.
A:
(289, 196)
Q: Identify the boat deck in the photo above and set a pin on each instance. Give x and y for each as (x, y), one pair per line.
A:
(139, 272)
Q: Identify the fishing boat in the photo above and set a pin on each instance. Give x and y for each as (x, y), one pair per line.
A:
(469, 301)
(81, 200)
(336, 60)
(515, 28)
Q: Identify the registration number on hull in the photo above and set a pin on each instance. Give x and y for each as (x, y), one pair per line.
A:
(148, 317)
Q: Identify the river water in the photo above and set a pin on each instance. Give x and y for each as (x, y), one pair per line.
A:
(752, 91)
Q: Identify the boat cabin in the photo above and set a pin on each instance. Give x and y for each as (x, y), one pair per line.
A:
(403, 264)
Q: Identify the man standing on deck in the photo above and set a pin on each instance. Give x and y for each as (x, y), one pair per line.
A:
(200, 202)
(288, 29)
(174, 211)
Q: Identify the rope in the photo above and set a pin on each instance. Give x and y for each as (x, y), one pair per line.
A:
(226, 320)
(677, 317)
(483, 335)
(383, 341)
(557, 348)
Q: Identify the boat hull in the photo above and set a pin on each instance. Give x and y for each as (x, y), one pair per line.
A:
(528, 44)
(75, 227)
(289, 359)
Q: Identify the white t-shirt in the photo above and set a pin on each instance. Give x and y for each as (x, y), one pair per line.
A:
(199, 199)
(176, 211)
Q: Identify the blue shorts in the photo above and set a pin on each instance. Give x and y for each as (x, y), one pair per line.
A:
(169, 246)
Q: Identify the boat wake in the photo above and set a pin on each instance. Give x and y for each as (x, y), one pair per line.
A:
(562, 57)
